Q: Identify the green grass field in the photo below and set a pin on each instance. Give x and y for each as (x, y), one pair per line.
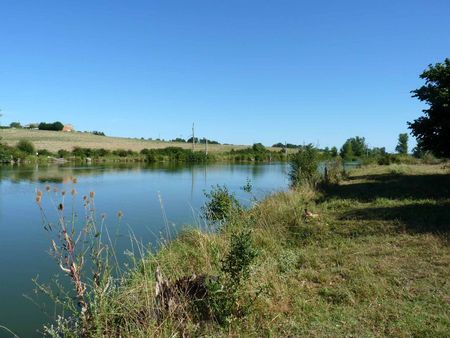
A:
(54, 141)
(376, 262)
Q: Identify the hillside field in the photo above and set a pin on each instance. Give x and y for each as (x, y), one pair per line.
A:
(55, 140)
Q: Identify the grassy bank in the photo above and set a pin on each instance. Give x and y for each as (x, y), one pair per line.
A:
(372, 260)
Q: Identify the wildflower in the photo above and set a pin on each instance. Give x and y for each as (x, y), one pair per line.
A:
(74, 180)
(92, 194)
(38, 199)
(73, 192)
(47, 188)
(55, 189)
(60, 207)
(38, 193)
(84, 198)
(63, 192)
(120, 214)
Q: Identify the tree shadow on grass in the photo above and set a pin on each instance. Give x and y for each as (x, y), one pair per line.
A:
(393, 186)
(416, 217)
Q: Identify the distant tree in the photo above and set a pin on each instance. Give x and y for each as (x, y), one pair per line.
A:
(100, 133)
(258, 147)
(433, 130)
(203, 141)
(179, 139)
(378, 151)
(354, 147)
(402, 145)
(63, 153)
(346, 150)
(57, 126)
(26, 146)
(15, 125)
(189, 140)
(334, 152)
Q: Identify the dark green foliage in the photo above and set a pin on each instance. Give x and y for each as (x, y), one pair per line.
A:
(81, 152)
(347, 151)
(57, 126)
(433, 130)
(236, 264)
(387, 159)
(93, 153)
(402, 145)
(189, 140)
(176, 154)
(334, 152)
(44, 152)
(258, 148)
(179, 139)
(15, 125)
(287, 145)
(26, 146)
(303, 167)
(8, 153)
(354, 147)
(220, 204)
(234, 271)
(63, 153)
(99, 133)
(5, 153)
(123, 153)
(257, 153)
(203, 141)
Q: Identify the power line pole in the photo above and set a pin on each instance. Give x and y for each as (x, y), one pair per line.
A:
(193, 136)
(206, 146)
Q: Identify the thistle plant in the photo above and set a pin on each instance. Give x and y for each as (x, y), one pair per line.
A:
(76, 245)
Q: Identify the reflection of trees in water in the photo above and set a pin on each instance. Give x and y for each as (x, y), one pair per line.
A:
(61, 173)
(257, 170)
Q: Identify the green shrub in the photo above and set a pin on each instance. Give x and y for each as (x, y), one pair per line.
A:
(234, 272)
(63, 153)
(44, 152)
(303, 167)
(220, 204)
(26, 146)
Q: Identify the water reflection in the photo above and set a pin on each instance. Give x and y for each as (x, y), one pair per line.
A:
(150, 196)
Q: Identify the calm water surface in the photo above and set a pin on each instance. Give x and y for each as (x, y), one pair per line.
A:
(148, 196)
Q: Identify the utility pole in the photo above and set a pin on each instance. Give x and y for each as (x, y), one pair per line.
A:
(206, 146)
(285, 149)
(193, 136)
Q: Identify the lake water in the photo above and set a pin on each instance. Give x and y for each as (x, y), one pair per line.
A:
(150, 197)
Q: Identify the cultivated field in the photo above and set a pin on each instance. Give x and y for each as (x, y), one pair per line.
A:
(54, 141)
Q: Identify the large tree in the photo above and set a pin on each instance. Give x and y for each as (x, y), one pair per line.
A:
(433, 129)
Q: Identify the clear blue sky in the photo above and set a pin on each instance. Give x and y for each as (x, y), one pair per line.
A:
(244, 70)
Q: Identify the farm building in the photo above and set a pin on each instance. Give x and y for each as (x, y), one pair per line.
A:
(68, 128)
